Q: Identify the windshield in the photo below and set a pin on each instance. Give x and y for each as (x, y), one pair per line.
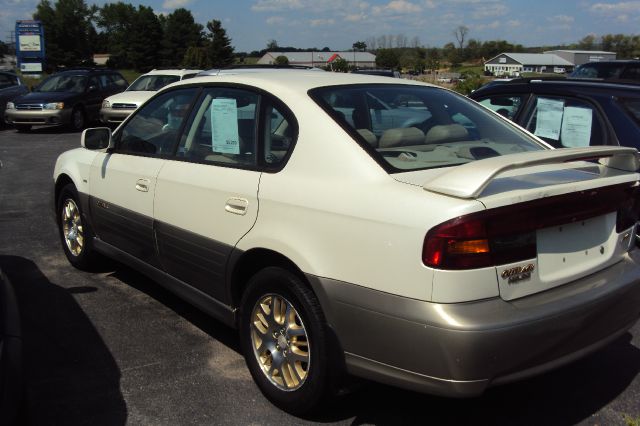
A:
(151, 83)
(416, 127)
(63, 83)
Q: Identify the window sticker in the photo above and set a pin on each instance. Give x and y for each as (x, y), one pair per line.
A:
(224, 126)
(549, 118)
(576, 127)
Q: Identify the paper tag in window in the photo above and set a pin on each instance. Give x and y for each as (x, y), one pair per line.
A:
(576, 127)
(549, 118)
(224, 126)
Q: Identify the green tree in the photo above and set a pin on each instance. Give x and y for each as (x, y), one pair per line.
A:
(282, 60)
(196, 57)
(68, 31)
(360, 45)
(133, 35)
(340, 65)
(218, 46)
(387, 58)
(433, 59)
(180, 31)
(4, 49)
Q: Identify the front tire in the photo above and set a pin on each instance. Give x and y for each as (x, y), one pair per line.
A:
(23, 128)
(78, 120)
(75, 235)
(285, 341)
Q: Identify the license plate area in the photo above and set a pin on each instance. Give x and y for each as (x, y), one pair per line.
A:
(574, 249)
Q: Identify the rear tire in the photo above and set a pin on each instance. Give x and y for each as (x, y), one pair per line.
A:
(75, 234)
(285, 341)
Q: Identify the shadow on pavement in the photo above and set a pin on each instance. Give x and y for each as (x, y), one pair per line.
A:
(71, 377)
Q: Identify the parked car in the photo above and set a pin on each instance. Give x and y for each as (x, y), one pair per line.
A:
(10, 88)
(72, 97)
(448, 255)
(569, 112)
(609, 70)
(118, 107)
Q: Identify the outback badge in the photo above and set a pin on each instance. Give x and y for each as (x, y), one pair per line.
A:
(518, 273)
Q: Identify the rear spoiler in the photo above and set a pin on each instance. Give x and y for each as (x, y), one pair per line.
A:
(470, 179)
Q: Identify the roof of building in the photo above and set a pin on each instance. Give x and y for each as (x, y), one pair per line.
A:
(598, 52)
(535, 59)
(320, 57)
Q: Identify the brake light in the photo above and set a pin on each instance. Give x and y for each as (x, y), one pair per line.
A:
(508, 234)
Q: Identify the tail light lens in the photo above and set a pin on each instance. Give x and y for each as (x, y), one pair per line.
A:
(508, 234)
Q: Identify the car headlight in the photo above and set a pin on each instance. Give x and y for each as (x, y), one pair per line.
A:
(10, 105)
(54, 105)
(106, 104)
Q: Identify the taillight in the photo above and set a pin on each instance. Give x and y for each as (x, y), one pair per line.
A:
(508, 234)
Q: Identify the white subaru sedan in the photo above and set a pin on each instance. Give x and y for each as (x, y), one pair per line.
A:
(350, 224)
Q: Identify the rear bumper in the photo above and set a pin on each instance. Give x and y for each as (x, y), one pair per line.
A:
(461, 349)
(38, 117)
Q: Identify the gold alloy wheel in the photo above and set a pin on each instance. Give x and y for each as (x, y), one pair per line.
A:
(280, 342)
(72, 227)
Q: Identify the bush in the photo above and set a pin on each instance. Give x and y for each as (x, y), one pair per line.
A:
(471, 83)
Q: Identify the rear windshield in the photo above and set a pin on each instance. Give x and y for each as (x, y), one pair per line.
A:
(408, 127)
(598, 70)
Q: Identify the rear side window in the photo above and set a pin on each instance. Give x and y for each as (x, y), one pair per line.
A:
(238, 128)
(505, 105)
(118, 81)
(566, 123)
(415, 127)
(7, 81)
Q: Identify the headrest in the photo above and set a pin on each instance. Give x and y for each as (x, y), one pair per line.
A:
(368, 136)
(401, 137)
(446, 133)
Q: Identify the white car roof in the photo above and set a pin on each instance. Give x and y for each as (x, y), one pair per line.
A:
(293, 79)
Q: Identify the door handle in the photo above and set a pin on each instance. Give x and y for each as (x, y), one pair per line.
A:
(142, 185)
(237, 206)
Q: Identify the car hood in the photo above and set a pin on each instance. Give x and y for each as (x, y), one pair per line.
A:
(131, 97)
(45, 97)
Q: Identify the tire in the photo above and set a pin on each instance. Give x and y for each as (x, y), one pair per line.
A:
(75, 234)
(23, 128)
(78, 120)
(300, 343)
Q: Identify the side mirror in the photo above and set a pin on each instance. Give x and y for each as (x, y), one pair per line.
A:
(97, 138)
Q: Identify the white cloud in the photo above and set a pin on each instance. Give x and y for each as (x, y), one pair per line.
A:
(397, 7)
(321, 22)
(561, 19)
(482, 12)
(616, 8)
(276, 5)
(175, 4)
(275, 20)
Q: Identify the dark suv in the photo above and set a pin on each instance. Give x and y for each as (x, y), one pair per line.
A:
(609, 70)
(71, 97)
(569, 112)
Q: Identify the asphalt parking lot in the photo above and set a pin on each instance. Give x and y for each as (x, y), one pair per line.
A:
(112, 348)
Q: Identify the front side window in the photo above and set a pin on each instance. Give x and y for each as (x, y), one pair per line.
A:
(154, 129)
(566, 122)
(416, 127)
(505, 105)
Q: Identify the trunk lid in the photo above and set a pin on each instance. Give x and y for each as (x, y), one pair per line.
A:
(580, 205)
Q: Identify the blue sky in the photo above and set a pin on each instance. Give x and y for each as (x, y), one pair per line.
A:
(339, 23)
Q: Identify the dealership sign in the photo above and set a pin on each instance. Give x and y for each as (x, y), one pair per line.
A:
(30, 46)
